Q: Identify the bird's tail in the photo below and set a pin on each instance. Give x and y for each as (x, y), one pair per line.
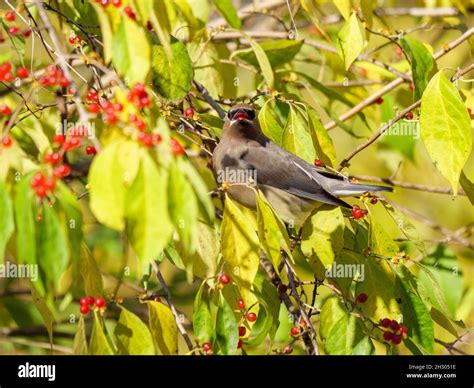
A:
(346, 189)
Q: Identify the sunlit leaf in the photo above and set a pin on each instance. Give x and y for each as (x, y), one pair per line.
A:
(133, 336)
(350, 40)
(163, 328)
(7, 225)
(227, 334)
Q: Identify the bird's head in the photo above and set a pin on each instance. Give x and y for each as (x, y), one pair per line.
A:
(242, 120)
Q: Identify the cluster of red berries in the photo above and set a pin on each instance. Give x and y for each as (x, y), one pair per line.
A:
(357, 212)
(117, 4)
(296, 331)
(396, 333)
(87, 302)
(10, 17)
(43, 185)
(139, 96)
(75, 40)
(6, 74)
(110, 110)
(54, 76)
(5, 110)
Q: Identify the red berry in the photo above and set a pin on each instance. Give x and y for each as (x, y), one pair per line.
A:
(10, 16)
(93, 108)
(176, 147)
(71, 143)
(373, 200)
(240, 304)
(288, 350)
(64, 82)
(7, 141)
(5, 110)
(387, 336)
(27, 33)
(13, 30)
(85, 309)
(149, 26)
(5, 68)
(93, 96)
(145, 139)
(129, 12)
(72, 39)
(206, 346)
(104, 3)
(117, 3)
(242, 331)
(385, 322)
(140, 124)
(118, 107)
(251, 317)
(362, 298)
(318, 163)
(396, 339)
(409, 116)
(8, 77)
(22, 72)
(224, 278)
(111, 118)
(156, 298)
(239, 344)
(53, 158)
(189, 112)
(61, 171)
(357, 212)
(295, 331)
(411, 85)
(379, 101)
(41, 191)
(403, 330)
(282, 288)
(59, 139)
(91, 150)
(156, 138)
(394, 325)
(99, 302)
(469, 110)
(50, 184)
(84, 301)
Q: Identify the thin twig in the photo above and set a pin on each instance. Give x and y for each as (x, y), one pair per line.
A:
(177, 318)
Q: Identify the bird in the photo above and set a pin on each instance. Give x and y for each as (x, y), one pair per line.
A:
(245, 160)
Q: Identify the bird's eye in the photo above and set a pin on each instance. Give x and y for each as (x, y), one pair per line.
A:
(230, 114)
(250, 113)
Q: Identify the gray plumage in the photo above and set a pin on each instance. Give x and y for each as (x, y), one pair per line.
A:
(293, 186)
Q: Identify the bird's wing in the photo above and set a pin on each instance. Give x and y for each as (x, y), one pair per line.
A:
(278, 168)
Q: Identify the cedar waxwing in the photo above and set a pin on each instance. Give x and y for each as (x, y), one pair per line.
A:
(294, 187)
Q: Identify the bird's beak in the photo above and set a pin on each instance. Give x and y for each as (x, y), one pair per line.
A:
(240, 116)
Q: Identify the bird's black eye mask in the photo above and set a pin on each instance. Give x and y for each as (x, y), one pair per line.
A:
(241, 114)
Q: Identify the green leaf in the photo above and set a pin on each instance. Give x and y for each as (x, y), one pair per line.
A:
(240, 248)
(323, 238)
(44, 310)
(344, 7)
(380, 241)
(269, 123)
(445, 128)
(271, 231)
(73, 212)
(416, 316)
(133, 336)
(296, 137)
(182, 206)
(344, 333)
(157, 13)
(380, 285)
(107, 187)
(99, 343)
(106, 31)
(172, 76)
(202, 319)
(90, 273)
(131, 51)
(25, 221)
(227, 333)
(279, 52)
(53, 252)
(80, 340)
(228, 11)
(422, 63)
(322, 142)
(149, 224)
(446, 274)
(163, 328)
(468, 187)
(262, 60)
(350, 40)
(407, 228)
(207, 66)
(7, 224)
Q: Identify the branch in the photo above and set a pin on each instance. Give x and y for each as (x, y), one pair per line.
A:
(398, 116)
(395, 83)
(205, 94)
(408, 185)
(181, 328)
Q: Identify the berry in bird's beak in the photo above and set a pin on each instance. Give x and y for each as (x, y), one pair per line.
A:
(241, 115)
